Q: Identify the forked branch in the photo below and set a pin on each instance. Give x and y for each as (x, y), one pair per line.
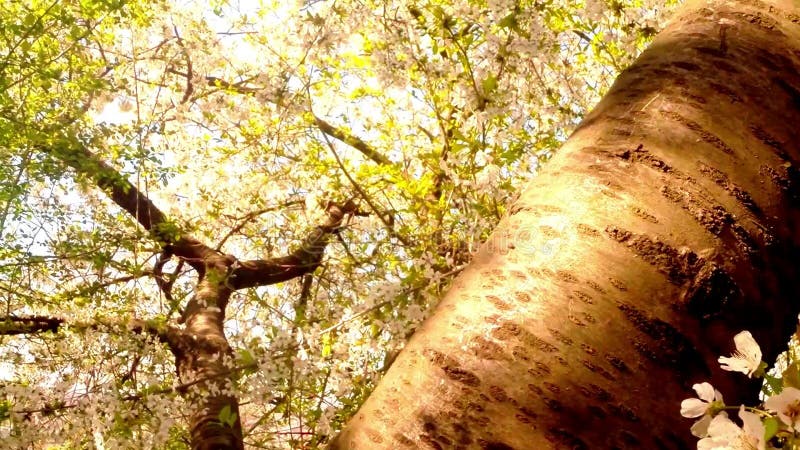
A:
(301, 261)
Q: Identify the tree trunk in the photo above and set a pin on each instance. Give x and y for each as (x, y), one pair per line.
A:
(666, 224)
(201, 355)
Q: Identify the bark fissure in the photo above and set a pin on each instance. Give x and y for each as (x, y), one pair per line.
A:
(675, 211)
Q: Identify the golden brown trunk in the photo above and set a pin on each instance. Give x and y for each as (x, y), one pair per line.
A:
(666, 224)
(200, 359)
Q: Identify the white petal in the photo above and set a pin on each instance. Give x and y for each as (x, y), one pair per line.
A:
(778, 402)
(705, 391)
(747, 346)
(693, 407)
(722, 434)
(746, 358)
(753, 427)
(714, 444)
(721, 426)
(704, 444)
(784, 404)
(700, 428)
(734, 364)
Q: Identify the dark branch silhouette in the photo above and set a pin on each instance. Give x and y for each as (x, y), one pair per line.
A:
(197, 254)
(15, 325)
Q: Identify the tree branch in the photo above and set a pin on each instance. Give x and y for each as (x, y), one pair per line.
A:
(14, 325)
(351, 140)
(303, 260)
(243, 221)
(323, 125)
(187, 95)
(133, 201)
(366, 197)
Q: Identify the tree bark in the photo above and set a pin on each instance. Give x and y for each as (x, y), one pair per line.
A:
(666, 224)
(203, 353)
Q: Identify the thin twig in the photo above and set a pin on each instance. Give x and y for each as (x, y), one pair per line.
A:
(250, 216)
(365, 196)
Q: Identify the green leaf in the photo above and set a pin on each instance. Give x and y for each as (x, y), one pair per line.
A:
(246, 357)
(438, 12)
(489, 84)
(327, 347)
(29, 19)
(5, 408)
(509, 21)
(770, 428)
(773, 385)
(791, 376)
(227, 416)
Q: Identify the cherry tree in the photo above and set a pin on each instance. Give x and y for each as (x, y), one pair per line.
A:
(221, 222)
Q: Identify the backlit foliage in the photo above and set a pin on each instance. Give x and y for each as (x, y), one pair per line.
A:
(241, 120)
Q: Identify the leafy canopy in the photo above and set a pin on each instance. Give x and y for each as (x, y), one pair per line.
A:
(241, 120)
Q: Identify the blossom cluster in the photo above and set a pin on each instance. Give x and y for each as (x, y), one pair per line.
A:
(774, 424)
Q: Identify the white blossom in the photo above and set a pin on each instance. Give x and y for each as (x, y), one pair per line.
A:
(746, 358)
(787, 405)
(487, 177)
(724, 434)
(708, 399)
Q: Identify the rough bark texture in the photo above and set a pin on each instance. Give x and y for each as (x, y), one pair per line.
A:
(666, 224)
(201, 353)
